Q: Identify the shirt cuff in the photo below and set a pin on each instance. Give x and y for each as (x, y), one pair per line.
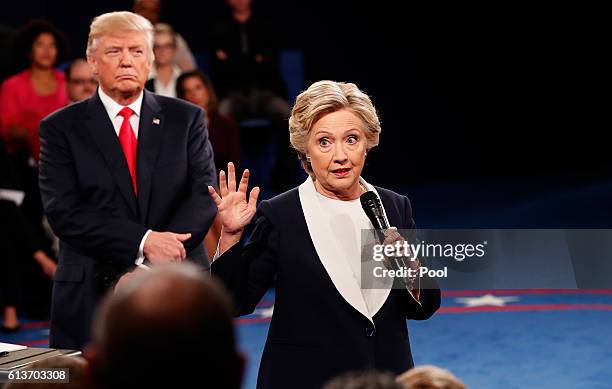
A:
(140, 258)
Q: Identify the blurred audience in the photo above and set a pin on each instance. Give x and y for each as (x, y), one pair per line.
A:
(363, 380)
(81, 83)
(429, 377)
(37, 90)
(18, 245)
(6, 54)
(151, 9)
(25, 98)
(246, 65)
(223, 133)
(164, 72)
(170, 327)
(246, 74)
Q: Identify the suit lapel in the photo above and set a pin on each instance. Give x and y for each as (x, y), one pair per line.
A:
(333, 257)
(103, 133)
(150, 132)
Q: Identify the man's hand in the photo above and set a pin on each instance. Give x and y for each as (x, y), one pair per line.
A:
(47, 265)
(165, 247)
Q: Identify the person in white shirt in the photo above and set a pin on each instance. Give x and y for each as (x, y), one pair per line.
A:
(330, 315)
(164, 73)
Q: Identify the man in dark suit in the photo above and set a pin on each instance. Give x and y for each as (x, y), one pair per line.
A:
(123, 177)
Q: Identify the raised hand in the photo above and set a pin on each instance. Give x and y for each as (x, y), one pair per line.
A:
(234, 209)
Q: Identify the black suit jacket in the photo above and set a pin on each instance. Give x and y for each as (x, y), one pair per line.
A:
(315, 333)
(89, 200)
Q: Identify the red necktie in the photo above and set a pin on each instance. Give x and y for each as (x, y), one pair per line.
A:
(128, 143)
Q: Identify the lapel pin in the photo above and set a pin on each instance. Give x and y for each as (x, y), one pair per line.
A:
(156, 121)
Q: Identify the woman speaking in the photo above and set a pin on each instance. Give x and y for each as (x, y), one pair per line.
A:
(307, 242)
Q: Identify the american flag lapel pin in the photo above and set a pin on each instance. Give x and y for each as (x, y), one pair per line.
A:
(156, 121)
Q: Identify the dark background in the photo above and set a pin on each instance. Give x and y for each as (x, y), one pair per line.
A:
(495, 92)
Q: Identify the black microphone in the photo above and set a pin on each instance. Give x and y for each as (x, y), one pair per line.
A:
(373, 208)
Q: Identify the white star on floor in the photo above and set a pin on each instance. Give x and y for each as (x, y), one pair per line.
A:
(486, 300)
(265, 313)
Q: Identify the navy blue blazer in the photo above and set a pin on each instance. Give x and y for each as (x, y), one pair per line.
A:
(90, 203)
(315, 333)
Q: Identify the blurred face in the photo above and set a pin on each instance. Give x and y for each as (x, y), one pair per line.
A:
(44, 51)
(240, 5)
(164, 48)
(196, 92)
(337, 147)
(82, 83)
(148, 9)
(121, 62)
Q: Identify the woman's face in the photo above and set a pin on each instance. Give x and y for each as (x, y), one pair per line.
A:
(44, 51)
(337, 150)
(196, 92)
(164, 48)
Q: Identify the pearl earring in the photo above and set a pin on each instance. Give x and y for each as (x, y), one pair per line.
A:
(308, 158)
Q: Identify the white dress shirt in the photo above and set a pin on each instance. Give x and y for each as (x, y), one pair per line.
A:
(112, 109)
(165, 90)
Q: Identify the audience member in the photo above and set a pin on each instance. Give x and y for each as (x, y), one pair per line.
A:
(429, 377)
(19, 244)
(223, 132)
(37, 90)
(162, 79)
(170, 327)
(363, 380)
(80, 81)
(245, 65)
(151, 10)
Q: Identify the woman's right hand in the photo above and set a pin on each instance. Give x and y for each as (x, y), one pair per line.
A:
(234, 209)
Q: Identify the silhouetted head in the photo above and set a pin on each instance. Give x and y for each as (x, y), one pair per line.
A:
(168, 327)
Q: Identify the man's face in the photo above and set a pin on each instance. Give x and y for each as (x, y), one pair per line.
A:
(82, 83)
(122, 62)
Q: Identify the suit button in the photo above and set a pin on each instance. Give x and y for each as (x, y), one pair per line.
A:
(370, 331)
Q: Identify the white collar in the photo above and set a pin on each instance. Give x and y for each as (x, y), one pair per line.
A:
(176, 71)
(333, 257)
(113, 108)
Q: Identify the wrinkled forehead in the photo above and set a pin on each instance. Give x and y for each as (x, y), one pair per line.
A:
(123, 39)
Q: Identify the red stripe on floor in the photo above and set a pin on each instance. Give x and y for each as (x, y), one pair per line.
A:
(497, 292)
(527, 307)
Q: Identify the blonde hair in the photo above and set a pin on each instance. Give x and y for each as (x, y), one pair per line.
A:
(429, 377)
(164, 28)
(324, 97)
(119, 21)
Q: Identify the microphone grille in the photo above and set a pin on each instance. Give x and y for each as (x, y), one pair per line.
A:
(370, 201)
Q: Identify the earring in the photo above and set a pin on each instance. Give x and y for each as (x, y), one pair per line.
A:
(308, 158)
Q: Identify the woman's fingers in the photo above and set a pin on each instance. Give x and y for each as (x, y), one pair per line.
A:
(253, 199)
(222, 184)
(214, 195)
(231, 177)
(244, 181)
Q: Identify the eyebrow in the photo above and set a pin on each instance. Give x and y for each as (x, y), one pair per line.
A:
(325, 131)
